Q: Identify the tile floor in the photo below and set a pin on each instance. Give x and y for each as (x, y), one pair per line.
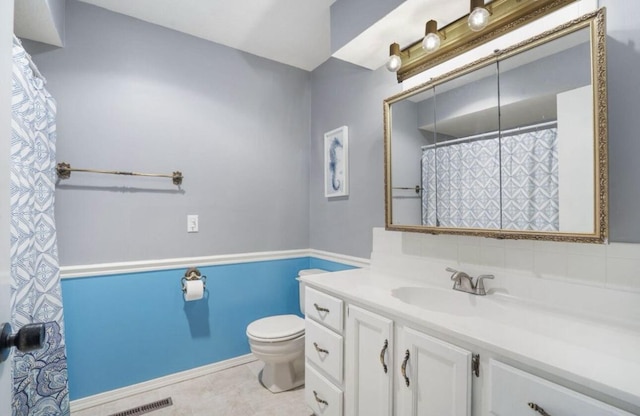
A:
(234, 392)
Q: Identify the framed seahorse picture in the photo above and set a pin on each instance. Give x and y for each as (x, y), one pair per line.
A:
(336, 162)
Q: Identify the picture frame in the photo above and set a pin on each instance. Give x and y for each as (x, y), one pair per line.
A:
(336, 162)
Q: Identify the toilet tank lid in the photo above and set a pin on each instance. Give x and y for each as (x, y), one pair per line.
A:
(306, 272)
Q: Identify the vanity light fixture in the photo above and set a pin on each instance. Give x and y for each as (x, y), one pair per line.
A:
(505, 16)
(431, 41)
(478, 16)
(395, 62)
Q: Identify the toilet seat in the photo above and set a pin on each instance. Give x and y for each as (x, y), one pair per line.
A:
(276, 328)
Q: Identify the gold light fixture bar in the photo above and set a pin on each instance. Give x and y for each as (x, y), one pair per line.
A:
(506, 15)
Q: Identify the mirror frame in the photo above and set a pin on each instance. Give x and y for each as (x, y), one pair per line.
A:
(596, 22)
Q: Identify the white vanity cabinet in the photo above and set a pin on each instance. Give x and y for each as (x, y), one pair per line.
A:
(368, 363)
(324, 363)
(382, 364)
(433, 376)
(517, 393)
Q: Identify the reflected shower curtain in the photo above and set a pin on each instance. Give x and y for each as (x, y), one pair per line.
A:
(39, 377)
(466, 180)
(509, 182)
(530, 181)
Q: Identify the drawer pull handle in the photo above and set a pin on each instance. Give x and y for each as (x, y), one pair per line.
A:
(320, 309)
(319, 400)
(404, 367)
(538, 409)
(384, 349)
(315, 344)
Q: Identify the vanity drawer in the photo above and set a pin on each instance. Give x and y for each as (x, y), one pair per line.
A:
(323, 308)
(512, 390)
(321, 395)
(324, 348)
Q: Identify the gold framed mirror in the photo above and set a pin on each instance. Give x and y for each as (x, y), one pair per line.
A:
(511, 146)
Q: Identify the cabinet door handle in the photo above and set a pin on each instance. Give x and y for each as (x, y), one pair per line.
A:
(320, 309)
(315, 344)
(319, 400)
(384, 349)
(538, 409)
(404, 367)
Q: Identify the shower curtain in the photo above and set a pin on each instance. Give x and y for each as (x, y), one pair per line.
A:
(508, 182)
(39, 377)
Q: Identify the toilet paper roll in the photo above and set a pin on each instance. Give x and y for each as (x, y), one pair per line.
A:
(194, 290)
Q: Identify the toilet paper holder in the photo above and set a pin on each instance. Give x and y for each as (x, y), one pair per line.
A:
(193, 273)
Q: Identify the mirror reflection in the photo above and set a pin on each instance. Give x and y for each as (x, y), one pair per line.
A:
(507, 145)
(463, 166)
(546, 118)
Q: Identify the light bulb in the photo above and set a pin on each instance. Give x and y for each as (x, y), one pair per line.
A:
(478, 19)
(431, 42)
(394, 63)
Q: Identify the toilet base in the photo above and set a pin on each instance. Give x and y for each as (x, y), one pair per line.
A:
(279, 377)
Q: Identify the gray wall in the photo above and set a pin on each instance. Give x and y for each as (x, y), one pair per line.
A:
(349, 18)
(135, 96)
(344, 94)
(623, 58)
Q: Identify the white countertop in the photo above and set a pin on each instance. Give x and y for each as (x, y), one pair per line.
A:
(600, 355)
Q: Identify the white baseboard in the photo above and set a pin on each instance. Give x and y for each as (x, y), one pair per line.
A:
(105, 269)
(121, 393)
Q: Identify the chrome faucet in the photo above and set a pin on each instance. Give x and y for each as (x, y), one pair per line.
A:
(464, 283)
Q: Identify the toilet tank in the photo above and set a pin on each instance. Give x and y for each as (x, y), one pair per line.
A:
(301, 285)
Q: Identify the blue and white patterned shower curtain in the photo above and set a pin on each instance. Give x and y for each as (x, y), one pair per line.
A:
(508, 182)
(39, 377)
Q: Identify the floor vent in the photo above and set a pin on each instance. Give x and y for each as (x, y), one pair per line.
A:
(147, 408)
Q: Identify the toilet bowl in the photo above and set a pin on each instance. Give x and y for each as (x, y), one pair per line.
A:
(278, 341)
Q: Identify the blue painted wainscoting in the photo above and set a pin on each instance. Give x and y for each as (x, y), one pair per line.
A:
(123, 329)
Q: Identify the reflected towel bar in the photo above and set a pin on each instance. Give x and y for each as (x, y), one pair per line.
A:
(416, 188)
(64, 172)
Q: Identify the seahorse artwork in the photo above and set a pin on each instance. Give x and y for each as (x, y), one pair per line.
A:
(335, 154)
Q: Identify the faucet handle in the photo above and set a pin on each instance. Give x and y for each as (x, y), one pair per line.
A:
(455, 276)
(455, 272)
(480, 283)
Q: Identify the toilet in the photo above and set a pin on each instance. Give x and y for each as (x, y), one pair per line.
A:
(278, 341)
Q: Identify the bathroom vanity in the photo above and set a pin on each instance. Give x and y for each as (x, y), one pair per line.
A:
(379, 344)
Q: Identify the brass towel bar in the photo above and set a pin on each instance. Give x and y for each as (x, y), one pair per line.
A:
(64, 172)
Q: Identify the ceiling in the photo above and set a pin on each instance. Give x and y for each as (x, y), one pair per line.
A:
(294, 32)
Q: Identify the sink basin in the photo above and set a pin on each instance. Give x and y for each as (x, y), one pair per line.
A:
(445, 301)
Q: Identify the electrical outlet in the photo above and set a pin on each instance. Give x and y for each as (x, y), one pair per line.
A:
(192, 223)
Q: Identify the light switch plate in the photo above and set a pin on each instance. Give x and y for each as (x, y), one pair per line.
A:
(192, 223)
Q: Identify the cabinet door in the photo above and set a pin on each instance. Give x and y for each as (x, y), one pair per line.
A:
(436, 379)
(368, 363)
